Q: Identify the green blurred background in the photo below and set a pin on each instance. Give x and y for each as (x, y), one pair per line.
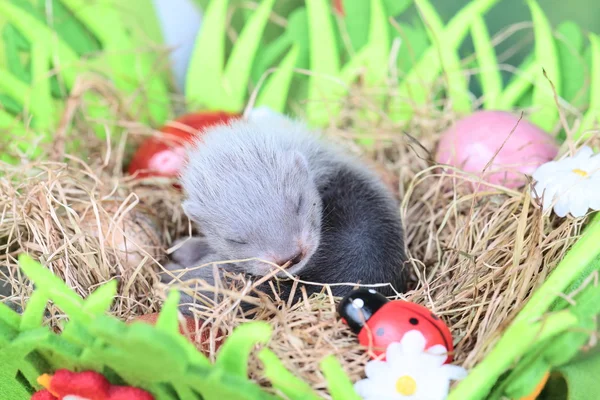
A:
(586, 13)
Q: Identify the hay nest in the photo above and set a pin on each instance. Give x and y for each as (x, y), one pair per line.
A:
(475, 258)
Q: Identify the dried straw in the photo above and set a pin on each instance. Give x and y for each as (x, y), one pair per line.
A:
(476, 258)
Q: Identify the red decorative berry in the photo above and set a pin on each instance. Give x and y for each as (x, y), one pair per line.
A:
(89, 385)
(43, 395)
(86, 384)
(379, 322)
(165, 155)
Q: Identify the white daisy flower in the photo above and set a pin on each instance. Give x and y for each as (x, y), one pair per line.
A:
(571, 185)
(409, 372)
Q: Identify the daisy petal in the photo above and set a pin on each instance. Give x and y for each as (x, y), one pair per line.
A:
(545, 171)
(413, 342)
(364, 387)
(548, 197)
(438, 349)
(437, 354)
(583, 153)
(594, 194)
(369, 389)
(593, 164)
(561, 208)
(579, 205)
(376, 369)
(455, 372)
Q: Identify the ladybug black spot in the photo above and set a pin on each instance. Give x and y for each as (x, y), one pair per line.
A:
(379, 332)
(435, 317)
(413, 321)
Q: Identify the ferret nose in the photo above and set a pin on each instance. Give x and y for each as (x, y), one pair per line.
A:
(292, 261)
(296, 259)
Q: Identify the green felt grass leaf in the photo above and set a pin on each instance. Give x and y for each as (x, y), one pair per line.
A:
(205, 74)
(526, 100)
(356, 22)
(546, 57)
(338, 383)
(414, 88)
(523, 378)
(135, 343)
(275, 92)
(40, 91)
(557, 351)
(269, 55)
(414, 42)
(394, 7)
(234, 353)
(457, 86)
(513, 344)
(489, 73)
(56, 289)
(283, 380)
(130, 67)
(155, 358)
(9, 316)
(324, 91)
(16, 129)
(211, 82)
(297, 29)
(69, 29)
(572, 64)
(33, 315)
(11, 37)
(9, 104)
(12, 87)
(168, 320)
(62, 56)
(580, 378)
(239, 65)
(373, 56)
(593, 113)
(519, 86)
(99, 301)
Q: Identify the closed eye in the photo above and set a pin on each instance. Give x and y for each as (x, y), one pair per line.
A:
(236, 241)
(299, 206)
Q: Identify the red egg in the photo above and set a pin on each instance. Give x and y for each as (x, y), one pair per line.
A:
(378, 322)
(496, 146)
(165, 155)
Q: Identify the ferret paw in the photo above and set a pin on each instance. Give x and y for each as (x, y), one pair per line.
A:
(192, 250)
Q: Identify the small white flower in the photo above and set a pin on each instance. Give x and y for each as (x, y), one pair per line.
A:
(571, 185)
(409, 372)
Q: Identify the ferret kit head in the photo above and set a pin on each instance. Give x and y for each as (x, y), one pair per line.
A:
(252, 194)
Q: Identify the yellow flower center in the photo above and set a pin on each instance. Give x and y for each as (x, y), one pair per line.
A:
(580, 172)
(405, 385)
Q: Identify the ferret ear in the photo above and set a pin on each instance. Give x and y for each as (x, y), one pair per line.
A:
(191, 209)
(300, 163)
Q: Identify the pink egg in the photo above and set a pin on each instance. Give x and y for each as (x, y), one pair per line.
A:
(472, 143)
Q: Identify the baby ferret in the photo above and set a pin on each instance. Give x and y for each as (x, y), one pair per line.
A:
(273, 190)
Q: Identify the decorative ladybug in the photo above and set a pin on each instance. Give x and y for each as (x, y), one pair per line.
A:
(378, 321)
(164, 156)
